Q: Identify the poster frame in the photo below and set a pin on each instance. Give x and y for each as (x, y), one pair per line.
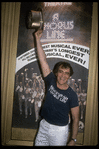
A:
(19, 136)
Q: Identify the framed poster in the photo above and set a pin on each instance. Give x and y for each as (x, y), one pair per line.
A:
(66, 37)
(14, 135)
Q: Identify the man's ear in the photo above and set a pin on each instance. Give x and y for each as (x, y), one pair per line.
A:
(56, 74)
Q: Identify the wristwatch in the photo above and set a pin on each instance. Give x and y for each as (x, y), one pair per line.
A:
(74, 140)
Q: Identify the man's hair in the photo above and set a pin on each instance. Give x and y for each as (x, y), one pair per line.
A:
(63, 65)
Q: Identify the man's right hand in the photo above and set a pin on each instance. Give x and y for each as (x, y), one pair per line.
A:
(38, 34)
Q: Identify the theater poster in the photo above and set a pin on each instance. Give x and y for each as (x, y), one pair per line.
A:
(66, 37)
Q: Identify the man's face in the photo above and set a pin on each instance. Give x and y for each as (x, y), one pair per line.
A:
(63, 75)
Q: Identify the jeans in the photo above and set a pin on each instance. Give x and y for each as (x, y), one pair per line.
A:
(51, 135)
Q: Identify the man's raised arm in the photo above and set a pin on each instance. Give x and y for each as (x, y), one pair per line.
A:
(41, 54)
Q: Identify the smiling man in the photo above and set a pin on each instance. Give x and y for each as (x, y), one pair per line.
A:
(60, 100)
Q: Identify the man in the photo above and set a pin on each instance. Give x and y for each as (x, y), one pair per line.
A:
(20, 96)
(83, 103)
(27, 98)
(60, 99)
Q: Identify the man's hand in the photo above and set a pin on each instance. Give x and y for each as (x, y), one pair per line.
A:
(71, 143)
(38, 34)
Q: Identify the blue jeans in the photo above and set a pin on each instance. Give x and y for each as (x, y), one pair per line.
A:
(51, 135)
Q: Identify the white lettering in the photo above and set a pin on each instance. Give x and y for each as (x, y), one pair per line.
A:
(55, 17)
(55, 34)
(47, 4)
(57, 95)
(60, 25)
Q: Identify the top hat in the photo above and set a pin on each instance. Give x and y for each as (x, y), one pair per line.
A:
(35, 20)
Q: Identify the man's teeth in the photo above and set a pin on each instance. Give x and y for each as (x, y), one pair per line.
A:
(62, 79)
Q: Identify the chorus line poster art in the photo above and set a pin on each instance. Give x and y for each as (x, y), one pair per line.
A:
(66, 37)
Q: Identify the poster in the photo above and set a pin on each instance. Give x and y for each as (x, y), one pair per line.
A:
(66, 37)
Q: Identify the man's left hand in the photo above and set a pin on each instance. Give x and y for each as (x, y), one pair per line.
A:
(71, 143)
